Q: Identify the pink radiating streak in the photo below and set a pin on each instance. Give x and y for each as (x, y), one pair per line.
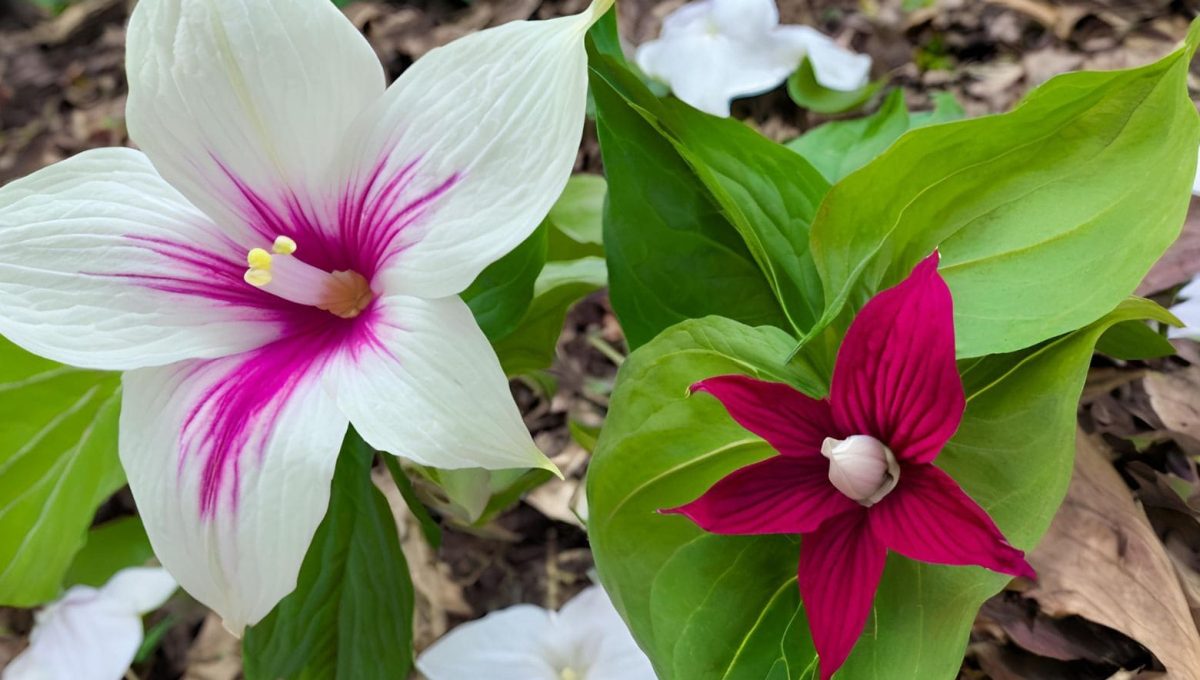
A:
(235, 414)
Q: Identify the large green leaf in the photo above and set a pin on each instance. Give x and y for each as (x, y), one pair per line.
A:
(351, 615)
(704, 215)
(840, 147)
(706, 606)
(577, 219)
(110, 547)
(501, 294)
(58, 463)
(1046, 216)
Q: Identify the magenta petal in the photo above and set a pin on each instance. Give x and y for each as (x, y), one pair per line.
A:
(895, 377)
(791, 422)
(840, 567)
(928, 517)
(779, 495)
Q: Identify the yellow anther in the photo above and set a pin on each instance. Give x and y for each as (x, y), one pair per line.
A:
(284, 245)
(257, 277)
(258, 259)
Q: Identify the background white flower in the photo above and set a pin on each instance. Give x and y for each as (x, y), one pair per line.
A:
(92, 634)
(1188, 311)
(585, 640)
(712, 51)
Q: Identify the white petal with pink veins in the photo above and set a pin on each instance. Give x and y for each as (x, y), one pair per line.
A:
(258, 90)
(230, 462)
(104, 265)
(432, 390)
(490, 123)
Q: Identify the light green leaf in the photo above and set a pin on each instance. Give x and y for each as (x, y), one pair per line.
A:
(58, 463)
(351, 615)
(501, 294)
(1046, 217)
(577, 219)
(840, 147)
(708, 606)
(110, 547)
(803, 88)
(532, 344)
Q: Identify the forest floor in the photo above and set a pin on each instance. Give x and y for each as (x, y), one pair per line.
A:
(1119, 595)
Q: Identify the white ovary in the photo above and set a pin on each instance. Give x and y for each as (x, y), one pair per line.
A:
(861, 467)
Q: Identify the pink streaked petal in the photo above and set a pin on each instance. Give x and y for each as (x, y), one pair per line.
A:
(928, 517)
(840, 567)
(230, 461)
(791, 422)
(895, 377)
(779, 495)
(104, 265)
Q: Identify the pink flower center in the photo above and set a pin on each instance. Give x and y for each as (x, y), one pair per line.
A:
(861, 467)
(341, 293)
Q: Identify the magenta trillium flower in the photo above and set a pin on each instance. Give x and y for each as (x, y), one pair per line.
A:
(284, 257)
(854, 474)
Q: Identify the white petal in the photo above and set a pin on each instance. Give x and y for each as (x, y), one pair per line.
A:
(230, 463)
(747, 20)
(491, 123)
(690, 19)
(708, 70)
(84, 636)
(143, 589)
(834, 66)
(1196, 182)
(258, 90)
(432, 390)
(1188, 312)
(504, 645)
(600, 641)
(104, 265)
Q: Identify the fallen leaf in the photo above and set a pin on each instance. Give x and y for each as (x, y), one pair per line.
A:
(1102, 560)
(1173, 397)
(215, 655)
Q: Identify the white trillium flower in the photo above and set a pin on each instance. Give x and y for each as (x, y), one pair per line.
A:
(585, 640)
(712, 51)
(284, 258)
(92, 634)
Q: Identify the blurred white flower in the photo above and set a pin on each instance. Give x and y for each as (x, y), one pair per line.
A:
(1188, 311)
(585, 640)
(1196, 181)
(712, 51)
(92, 634)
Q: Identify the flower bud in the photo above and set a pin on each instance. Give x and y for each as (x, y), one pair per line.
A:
(861, 467)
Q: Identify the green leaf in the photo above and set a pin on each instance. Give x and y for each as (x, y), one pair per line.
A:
(803, 88)
(708, 606)
(1046, 217)
(840, 147)
(58, 463)
(429, 526)
(704, 215)
(577, 219)
(110, 547)
(351, 615)
(501, 294)
(532, 344)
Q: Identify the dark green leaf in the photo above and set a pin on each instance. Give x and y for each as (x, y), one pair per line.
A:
(804, 89)
(110, 547)
(351, 615)
(501, 294)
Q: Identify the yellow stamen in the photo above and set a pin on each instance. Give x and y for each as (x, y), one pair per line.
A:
(258, 259)
(257, 277)
(284, 246)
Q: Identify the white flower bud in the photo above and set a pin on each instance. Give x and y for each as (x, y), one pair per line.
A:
(861, 467)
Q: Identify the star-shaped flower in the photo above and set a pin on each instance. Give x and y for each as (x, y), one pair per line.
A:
(854, 474)
(712, 51)
(284, 258)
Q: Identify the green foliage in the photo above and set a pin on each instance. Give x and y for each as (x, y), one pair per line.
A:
(577, 225)
(803, 88)
(704, 215)
(58, 463)
(500, 295)
(351, 614)
(110, 547)
(708, 606)
(840, 147)
(1046, 217)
